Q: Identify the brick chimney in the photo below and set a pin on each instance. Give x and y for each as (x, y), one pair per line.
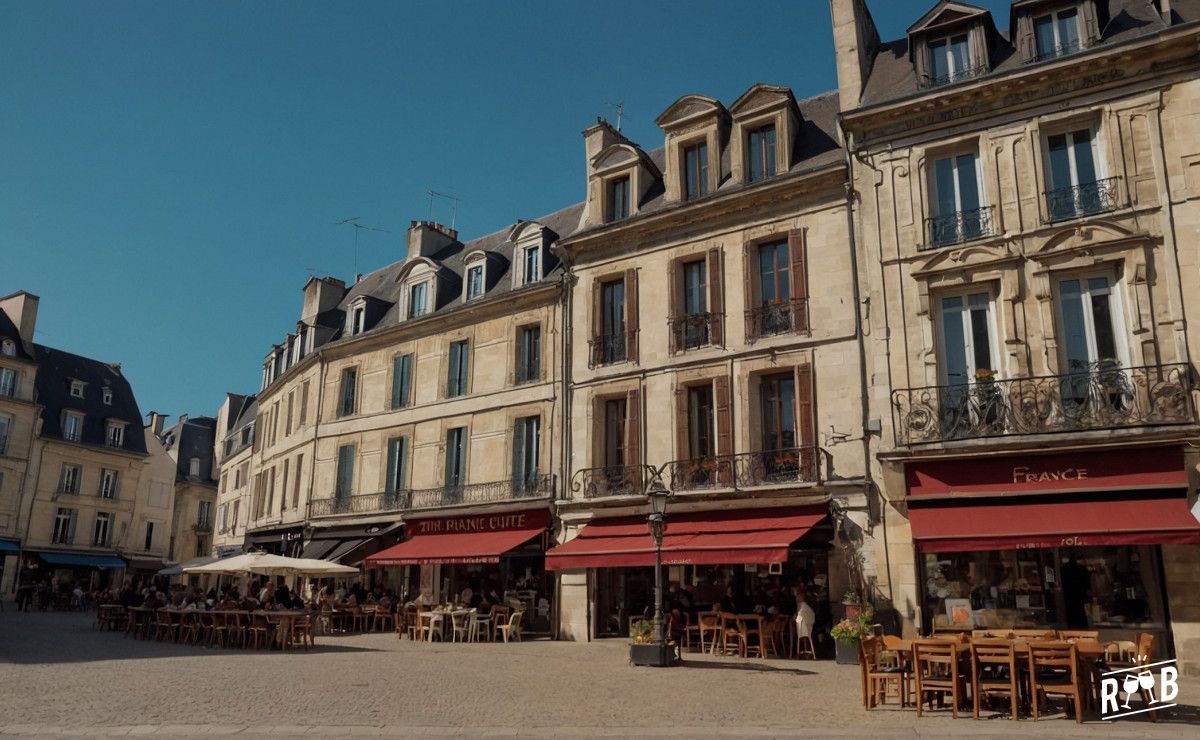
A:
(855, 43)
(321, 294)
(426, 238)
(22, 309)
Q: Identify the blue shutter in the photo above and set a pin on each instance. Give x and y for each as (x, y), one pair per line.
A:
(345, 472)
(401, 380)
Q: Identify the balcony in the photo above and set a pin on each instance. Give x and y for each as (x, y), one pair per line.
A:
(609, 349)
(1099, 396)
(202, 527)
(1086, 199)
(777, 317)
(747, 470)
(1054, 52)
(691, 331)
(613, 480)
(929, 82)
(959, 227)
(433, 498)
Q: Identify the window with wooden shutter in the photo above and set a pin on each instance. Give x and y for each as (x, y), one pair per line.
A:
(633, 428)
(345, 474)
(716, 298)
(724, 413)
(631, 315)
(401, 380)
(806, 422)
(682, 448)
(798, 253)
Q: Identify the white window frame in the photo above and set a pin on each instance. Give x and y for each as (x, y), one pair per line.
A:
(1053, 15)
(78, 436)
(1068, 130)
(105, 518)
(536, 250)
(77, 388)
(952, 154)
(475, 264)
(358, 318)
(9, 380)
(74, 478)
(60, 531)
(1117, 309)
(194, 467)
(114, 434)
(947, 40)
(106, 395)
(968, 335)
(408, 305)
(109, 482)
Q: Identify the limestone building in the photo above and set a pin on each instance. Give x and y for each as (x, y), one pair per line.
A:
(233, 450)
(1025, 219)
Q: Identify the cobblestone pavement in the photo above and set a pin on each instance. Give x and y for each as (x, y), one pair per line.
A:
(58, 677)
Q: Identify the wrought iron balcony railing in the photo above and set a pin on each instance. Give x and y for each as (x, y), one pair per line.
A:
(1085, 199)
(777, 317)
(1054, 52)
(930, 81)
(541, 486)
(613, 480)
(202, 527)
(748, 469)
(1102, 395)
(691, 331)
(609, 349)
(959, 227)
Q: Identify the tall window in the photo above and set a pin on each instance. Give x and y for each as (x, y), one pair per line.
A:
(700, 421)
(201, 547)
(968, 339)
(401, 381)
(1074, 189)
(5, 425)
(456, 381)
(194, 467)
(115, 436)
(695, 170)
(618, 198)
(774, 288)
(108, 483)
(68, 478)
(526, 438)
(949, 60)
(692, 329)
(456, 458)
(956, 195)
(1088, 311)
(531, 265)
(761, 164)
(474, 282)
(148, 543)
(612, 321)
(778, 412)
(348, 391)
(64, 527)
(303, 404)
(396, 454)
(529, 353)
(8, 382)
(291, 403)
(204, 514)
(102, 531)
(296, 482)
(359, 321)
(417, 300)
(614, 432)
(345, 473)
(1056, 34)
(72, 426)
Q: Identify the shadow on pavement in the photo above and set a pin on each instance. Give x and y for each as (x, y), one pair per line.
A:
(744, 666)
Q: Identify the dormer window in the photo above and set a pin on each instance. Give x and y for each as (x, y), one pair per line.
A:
(114, 434)
(1056, 34)
(358, 319)
(72, 426)
(418, 300)
(949, 60)
(106, 396)
(761, 153)
(8, 348)
(77, 388)
(531, 264)
(695, 170)
(474, 281)
(618, 198)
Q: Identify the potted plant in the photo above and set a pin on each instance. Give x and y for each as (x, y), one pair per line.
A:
(853, 603)
(849, 632)
(643, 650)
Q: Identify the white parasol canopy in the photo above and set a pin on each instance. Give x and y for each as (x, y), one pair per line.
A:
(273, 565)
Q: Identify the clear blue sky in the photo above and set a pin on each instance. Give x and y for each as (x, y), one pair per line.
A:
(170, 172)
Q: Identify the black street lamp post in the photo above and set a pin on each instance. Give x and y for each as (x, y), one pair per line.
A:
(658, 494)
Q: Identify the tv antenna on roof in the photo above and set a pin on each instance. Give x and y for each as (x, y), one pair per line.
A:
(357, 228)
(619, 107)
(453, 201)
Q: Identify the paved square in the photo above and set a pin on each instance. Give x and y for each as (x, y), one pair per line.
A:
(59, 677)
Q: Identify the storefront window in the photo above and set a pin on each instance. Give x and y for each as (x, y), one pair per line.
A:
(1113, 587)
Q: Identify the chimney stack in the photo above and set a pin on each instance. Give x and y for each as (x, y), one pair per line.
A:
(597, 138)
(321, 294)
(22, 309)
(156, 422)
(426, 238)
(855, 43)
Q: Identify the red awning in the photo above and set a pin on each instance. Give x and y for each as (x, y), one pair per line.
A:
(1154, 520)
(461, 547)
(696, 538)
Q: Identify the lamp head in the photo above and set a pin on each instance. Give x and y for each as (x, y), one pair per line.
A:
(657, 494)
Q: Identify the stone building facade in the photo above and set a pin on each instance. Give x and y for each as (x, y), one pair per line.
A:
(1025, 223)
(233, 453)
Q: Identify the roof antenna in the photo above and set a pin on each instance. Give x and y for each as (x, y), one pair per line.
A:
(453, 201)
(357, 228)
(619, 107)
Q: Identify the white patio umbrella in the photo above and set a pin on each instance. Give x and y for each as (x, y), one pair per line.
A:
(273, 565)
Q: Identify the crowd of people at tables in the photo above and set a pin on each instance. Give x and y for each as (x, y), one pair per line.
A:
(780, 602)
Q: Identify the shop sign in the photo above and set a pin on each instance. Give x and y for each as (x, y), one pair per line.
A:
(502, 521)
(1076, 471)
(1145, 679)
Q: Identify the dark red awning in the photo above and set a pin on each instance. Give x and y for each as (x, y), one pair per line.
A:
(472, 547)
(1154, 520)
(696, 538)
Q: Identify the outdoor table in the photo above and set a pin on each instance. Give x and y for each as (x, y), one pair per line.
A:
(760, 623)
(428, 619)
(108, 616)
(139, 617)
(283, 621)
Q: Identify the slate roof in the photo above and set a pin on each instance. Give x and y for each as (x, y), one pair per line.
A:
(892, 77)
(243, 411)
(8, 330)
(56, 370)
(192, 438)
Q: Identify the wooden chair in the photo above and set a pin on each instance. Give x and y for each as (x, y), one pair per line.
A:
(879, 676)
(993, 671)
(164, 627)
(512, 628)
(897, 652)
(301, 632)
(729, 630)
(500, 616)
(752, 628)
(1079, 634)
(259, 631)
(385, 619)
(220, 628)
(1054, 670)
(1040, 635)
(707, 626)
(1144, 656)
(360, 617)
(935, 663)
